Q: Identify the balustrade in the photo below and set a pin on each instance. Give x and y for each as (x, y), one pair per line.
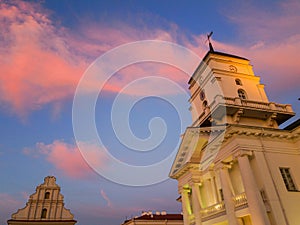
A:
(240, 200)
(213, 210)
(257, 104)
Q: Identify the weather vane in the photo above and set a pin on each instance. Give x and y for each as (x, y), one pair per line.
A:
(211, 49)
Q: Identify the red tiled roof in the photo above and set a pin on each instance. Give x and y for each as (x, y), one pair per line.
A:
(158, 217)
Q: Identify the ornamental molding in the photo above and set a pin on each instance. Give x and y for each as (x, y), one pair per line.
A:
(264, 133)
(242, 153)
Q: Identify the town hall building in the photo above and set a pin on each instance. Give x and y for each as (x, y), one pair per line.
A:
(235, 166)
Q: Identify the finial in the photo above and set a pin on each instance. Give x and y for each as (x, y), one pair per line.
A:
(211, 49)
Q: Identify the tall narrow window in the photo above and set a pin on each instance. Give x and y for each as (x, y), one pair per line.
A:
(221, 194)
(287, 179)
(44, 213)
(204, 104)
(242, 94)
(47, 195)
(238, 82)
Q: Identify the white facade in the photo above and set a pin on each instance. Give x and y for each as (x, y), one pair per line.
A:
(234, 165)
(45, 206)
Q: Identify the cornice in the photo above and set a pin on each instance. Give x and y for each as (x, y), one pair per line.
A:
(185, 168)
(252, 131)
(237, 74)
(233, 131)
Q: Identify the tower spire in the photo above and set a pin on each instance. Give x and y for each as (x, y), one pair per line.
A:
(211, 49)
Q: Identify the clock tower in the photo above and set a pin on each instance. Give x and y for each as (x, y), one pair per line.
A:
(224, 89)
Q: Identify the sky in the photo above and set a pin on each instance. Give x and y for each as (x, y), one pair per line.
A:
(49, 53)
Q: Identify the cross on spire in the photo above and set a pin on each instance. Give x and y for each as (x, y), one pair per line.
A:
(211, 49)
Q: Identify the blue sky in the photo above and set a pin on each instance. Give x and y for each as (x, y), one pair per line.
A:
(45, 48)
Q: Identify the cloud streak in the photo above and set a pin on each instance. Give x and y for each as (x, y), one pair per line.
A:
(105, 197)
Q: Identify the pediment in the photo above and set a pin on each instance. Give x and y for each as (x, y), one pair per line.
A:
(193, 141)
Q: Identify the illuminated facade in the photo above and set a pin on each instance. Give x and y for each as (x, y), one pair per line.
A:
(235, 165)
(44, 207)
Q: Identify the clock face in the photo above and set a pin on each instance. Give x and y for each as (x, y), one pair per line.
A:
(232, 68)
(202, 95)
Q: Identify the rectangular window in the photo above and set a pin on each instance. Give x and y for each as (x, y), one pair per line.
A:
(287, 179)
(221, 194)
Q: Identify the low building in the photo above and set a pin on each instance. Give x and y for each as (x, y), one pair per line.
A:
(159, 218)
(44, 207)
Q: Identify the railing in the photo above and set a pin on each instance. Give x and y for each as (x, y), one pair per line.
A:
(256, 104)
(240, 200)
(212, 211)
(275, 107)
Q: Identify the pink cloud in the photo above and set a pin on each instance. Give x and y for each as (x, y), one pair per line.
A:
(106, 198)
(67, 158)
(42, 62)
(37, 66)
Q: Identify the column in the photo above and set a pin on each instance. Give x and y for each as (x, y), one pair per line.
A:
(214, 193)
(255, 202)
(210, 198)
(216, 190)
(186, 206)
(196, 197)
(228, 196)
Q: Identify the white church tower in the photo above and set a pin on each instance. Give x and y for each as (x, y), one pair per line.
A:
(235, 166)
(44, 207)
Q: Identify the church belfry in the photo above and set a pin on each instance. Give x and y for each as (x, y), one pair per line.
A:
(44, 207)
(235, 166)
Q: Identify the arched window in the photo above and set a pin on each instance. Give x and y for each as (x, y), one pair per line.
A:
(204, 104)
(242, 94)
(202, 95)
(238, 82)
(44, 213)
(47, 195)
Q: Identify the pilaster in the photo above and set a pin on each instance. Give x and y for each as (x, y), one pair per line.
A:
(255, 202)
(270, 189)
(186, 205)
